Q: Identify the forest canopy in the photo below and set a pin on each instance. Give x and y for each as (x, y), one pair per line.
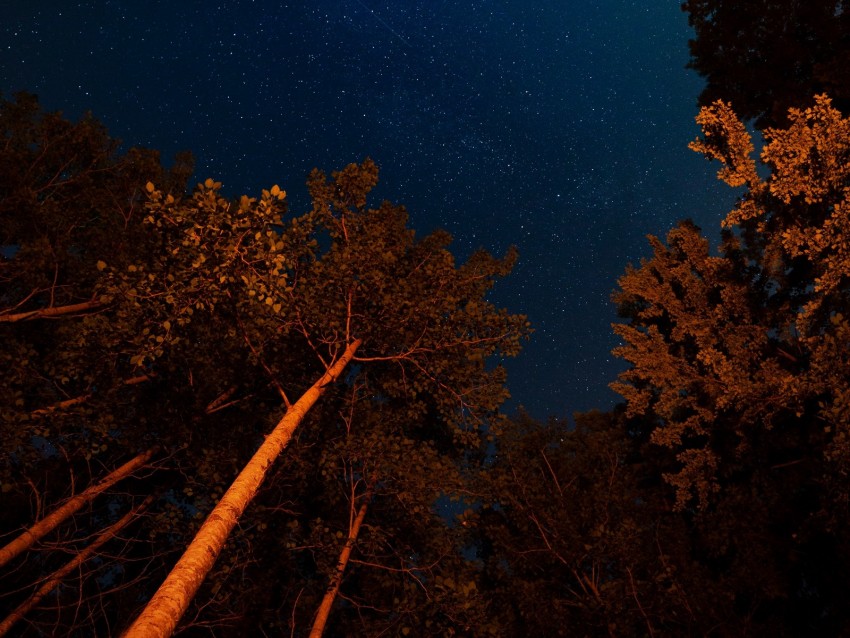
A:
(221, 416)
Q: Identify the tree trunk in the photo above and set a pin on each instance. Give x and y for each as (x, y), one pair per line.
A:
(161, 615)
(50, 522)
(333, 588)
(54, 311)
(57, 576)
(69, 403)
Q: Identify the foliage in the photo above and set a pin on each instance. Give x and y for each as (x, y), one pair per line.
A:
(739, 359)
(577, 537)
(765, 57)
(69, 197)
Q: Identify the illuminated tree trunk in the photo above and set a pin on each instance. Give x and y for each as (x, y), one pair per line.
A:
(161, 615)
(69, 403)
(46, 525)
(336, 581)
(57, 576)
(52, 312)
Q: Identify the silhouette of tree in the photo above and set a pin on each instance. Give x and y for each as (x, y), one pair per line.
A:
(765, 56)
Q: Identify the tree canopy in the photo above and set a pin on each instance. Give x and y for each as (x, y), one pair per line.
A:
(198, 323)
(739, 361)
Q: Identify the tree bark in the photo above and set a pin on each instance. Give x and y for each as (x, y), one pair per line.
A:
(59, 515)
(333, 588)
(57, 576)
(161, 615)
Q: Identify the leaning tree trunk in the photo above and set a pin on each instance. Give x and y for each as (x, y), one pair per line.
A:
(50, 584)
(161, 615)
(50, 522)
(333, 588)
(52, 312)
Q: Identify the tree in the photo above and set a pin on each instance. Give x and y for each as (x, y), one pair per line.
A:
(200, 318)
(333, 587)
(576, 536)
(766, 57)
(54, 580)
(403, 300)
(407, 569)
(739, 360)
(47, 524)
(165, 609)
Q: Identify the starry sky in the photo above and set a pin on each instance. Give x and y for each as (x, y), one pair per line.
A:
(559, 127)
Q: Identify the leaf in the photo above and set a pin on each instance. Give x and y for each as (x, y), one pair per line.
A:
(101, 264)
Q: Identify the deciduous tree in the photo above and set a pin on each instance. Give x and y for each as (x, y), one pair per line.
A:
(377, 297)
(739, 359)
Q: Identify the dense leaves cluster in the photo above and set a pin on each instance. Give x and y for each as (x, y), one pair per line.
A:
(739, 360)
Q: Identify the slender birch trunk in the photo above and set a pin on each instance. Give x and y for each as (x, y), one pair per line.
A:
(161, 615)
(59, 515)
(68, 403)
(333, 588)
(57, 576)
(53, 311)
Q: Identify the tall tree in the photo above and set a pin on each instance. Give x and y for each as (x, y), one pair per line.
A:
(403, 300)
(200, 318)
(739, 359)
(47, 524)
(55, 579)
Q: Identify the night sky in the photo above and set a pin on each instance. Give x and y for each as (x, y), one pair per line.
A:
(560, 127)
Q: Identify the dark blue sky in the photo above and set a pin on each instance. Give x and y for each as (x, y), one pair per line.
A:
(561, 127)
